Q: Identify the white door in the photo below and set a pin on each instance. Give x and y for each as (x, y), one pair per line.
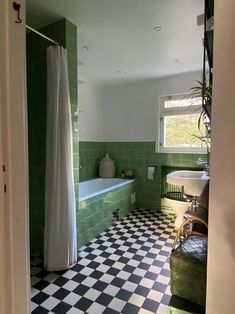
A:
(14, 235)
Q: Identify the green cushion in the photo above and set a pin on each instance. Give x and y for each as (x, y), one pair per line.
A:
(188, 269)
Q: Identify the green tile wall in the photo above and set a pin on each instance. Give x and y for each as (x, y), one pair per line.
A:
(90, 155)
(135, 156)
(71, 46)
(95, 214)
(65, 33)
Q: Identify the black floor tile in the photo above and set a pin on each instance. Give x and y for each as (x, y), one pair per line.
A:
(133, 256)
(61, 308)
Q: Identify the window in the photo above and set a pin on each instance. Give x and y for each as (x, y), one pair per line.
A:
(179, 116)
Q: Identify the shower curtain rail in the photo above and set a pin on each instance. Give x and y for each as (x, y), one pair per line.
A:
(40, 34)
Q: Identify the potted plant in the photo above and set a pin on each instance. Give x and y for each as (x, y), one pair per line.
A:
(205, 92)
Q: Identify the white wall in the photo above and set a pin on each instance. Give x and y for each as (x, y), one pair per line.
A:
(221, 259)
(90, 105)
(130, 109)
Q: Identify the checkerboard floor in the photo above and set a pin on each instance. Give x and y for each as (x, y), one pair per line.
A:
(124, 270)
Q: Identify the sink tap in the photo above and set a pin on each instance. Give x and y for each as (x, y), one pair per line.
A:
(205, 164)
(201, 161)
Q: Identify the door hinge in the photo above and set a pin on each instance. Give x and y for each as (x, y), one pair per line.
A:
(17, 8)
(5, 186)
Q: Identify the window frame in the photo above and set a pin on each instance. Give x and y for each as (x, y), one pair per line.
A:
(175, 111)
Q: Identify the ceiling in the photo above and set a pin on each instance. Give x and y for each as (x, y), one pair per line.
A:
(122, 44)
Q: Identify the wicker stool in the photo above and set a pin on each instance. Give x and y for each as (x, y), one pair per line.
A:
(188, 265)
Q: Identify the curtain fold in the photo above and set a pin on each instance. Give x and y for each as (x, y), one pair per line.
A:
(60, 238)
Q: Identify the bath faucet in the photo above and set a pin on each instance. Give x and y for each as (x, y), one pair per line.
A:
(203, 163)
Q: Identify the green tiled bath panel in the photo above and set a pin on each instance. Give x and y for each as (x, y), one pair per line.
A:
(95, 215)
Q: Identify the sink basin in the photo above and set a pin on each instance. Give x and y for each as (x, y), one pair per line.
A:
(192, 181)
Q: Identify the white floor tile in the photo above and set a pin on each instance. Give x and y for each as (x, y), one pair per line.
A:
(123, 275)
(70, 285)
(70, 274)
(50, 303)
(89, 282)
(35, 270)
(96, 308)
(103, 268)
(163, 279)
(86, 271)
(84, 262)
(92, 294)
(99, 259)
(118, 265)
(33, 306)
(145, 282)
(136, 299)
(34, 280)
(162, 309)
(74, 311)
(133, 263)
(155, 269)
(155, 295)
(51, 277)
(117, 305)
(111, 290)
(72, 298)
(34, 292)
(138, 230)
(144, 311)
(114, 257)
(130, 286)
(36, 261)
(51, 289)
(107, 278)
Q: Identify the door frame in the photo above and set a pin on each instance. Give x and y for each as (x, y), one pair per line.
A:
(14, 209)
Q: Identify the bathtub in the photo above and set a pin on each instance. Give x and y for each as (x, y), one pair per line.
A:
(95, 187)
(102, 202)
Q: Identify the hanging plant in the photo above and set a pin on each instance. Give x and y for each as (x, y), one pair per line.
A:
(205, 92)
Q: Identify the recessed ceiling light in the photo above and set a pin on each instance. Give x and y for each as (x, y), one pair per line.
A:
(157, 28)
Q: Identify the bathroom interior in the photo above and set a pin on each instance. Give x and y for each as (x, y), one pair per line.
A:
(131, 66)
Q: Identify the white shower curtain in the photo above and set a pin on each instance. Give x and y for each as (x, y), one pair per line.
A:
(60, 239)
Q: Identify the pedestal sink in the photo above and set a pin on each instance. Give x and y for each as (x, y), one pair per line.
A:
(192, 182)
